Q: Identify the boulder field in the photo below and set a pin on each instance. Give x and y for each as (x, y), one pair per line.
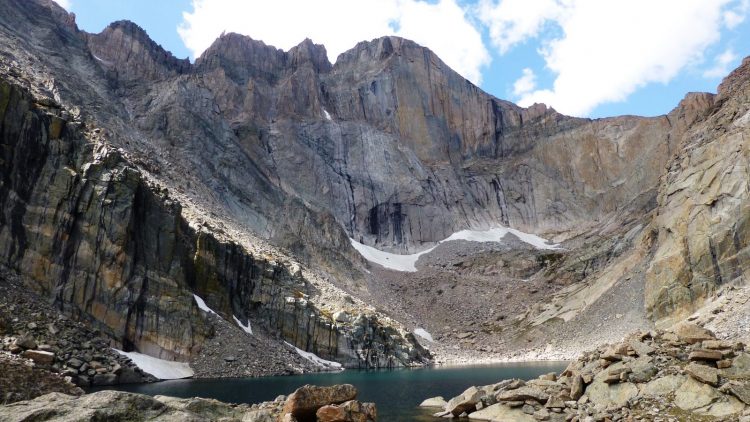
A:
(684, 374)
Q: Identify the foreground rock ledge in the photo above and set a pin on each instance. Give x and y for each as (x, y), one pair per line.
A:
(308, 403)
(685, 374)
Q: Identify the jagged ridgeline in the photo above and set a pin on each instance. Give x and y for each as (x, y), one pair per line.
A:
(133, 181)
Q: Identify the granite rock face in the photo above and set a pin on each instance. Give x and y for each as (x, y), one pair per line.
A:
(703, 210)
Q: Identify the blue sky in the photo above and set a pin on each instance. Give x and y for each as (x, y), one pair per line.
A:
(591, 58)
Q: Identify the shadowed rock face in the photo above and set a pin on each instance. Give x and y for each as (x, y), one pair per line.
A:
(388, 146)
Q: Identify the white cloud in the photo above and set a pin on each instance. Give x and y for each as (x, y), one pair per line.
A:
(65, 4)
(340, 24)
(513, 21)
(525, 84)
(606, 49)
(736, 16)
(722, 64)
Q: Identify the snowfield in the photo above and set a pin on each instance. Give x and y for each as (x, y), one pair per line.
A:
(160, 368)
(408, 262)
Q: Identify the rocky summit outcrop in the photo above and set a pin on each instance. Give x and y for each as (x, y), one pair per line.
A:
(685, 374)
(333, 404)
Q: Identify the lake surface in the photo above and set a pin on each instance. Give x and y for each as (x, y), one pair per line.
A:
(397, 393)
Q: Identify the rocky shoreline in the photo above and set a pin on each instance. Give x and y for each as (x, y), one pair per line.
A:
(685, 374)
(307, 404)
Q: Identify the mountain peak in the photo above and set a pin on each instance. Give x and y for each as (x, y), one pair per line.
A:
(126, 50)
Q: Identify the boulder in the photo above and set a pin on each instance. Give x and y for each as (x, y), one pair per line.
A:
(661, 387)
(465, 402)
(577, 387)
(522, 394)
(703, 373)
(741, 390)
(306, 400)
(693, 395)
(500, 412)
(740, 367)
(350, 411)
(640, 348)
(342, 316)
(642, 370)
(39, 356)
(692, 333)
(26, 342)
(616, 395)
(705, 354)
(438, 401)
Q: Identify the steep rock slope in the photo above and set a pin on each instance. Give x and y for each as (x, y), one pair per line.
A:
(703, 210)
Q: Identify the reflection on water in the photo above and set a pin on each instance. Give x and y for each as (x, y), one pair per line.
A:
(397, 393)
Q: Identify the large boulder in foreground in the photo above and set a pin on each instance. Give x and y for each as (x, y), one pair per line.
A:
(306, 400)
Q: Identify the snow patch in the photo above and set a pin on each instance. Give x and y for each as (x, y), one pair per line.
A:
(408, 262)
(312, 357)
(389, 260)
(202, 304)
(245, 328)
(325, 113)
(421, 332)
(160, 368)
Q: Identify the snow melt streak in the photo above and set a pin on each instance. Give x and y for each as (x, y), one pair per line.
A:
(160, 368)
(245, 328)
(202, 304)
(312, 357)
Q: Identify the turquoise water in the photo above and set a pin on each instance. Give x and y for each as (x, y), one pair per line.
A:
(397, 393)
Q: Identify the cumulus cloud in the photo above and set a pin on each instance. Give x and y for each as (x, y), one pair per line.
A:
(722, 64)
(525, 84)
(339, 24)
(513, 21)
(735, 16)
(65, 4)
(603, 50)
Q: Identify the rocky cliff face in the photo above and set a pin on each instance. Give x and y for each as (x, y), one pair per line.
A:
(703, 206)
(112, 249)
(133, 180)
